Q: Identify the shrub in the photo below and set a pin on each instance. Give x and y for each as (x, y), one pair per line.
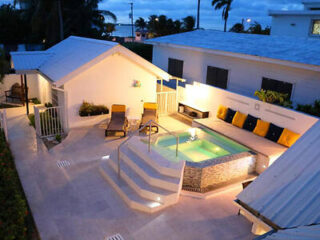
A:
(58, 138)
(35, 101)
(89, 109)
(274, 97)
(16, 222)
(32, 120)
(312, 109)
(48, 105)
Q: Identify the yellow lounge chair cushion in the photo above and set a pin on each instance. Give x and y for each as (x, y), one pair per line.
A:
(288, 138)
(118, 108)
(239, 119)
(261, 128)
(150, 106)
(222, 112)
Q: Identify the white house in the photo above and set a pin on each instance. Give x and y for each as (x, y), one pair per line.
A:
(101, 72)
(298, 23)
(243, 63)
(286, 195)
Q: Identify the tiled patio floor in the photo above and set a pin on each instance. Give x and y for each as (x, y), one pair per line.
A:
(75, 203)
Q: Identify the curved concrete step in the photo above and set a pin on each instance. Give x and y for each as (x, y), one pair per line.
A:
(143, 188)
(148, 173)
(127, 193)
(155, 160)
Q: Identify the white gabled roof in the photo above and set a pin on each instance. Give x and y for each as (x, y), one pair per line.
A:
(300, 233)
(288, 192)
(289, 51)
(73, 55)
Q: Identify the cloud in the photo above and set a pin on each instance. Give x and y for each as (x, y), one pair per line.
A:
(257, 10)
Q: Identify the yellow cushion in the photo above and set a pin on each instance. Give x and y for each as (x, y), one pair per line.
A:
(261, 128)
(239, 119)
(148, 105)
(222, 112)
(288, 138)
(118, 108)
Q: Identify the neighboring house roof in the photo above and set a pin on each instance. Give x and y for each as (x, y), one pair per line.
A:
(300, 233)
(294, 13)
(286, 50)
(288, 192)
(73, 55)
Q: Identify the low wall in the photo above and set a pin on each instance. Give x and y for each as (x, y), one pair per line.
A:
(209, 98)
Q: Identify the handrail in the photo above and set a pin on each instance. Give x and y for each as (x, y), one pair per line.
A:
(148, 124)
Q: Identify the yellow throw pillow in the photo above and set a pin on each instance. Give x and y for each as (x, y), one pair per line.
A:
(118, 108)
(261, 128)
(222, 112)
(239, 119)
(288, 138)
(148, 105)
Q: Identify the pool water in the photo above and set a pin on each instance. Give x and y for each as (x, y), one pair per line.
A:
(197, 145)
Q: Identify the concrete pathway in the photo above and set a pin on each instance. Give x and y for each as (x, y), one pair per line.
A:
(75, 203)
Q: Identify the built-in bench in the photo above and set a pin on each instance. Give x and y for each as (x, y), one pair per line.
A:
(266, 150)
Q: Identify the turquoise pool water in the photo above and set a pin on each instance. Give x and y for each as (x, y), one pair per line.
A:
(197, 145)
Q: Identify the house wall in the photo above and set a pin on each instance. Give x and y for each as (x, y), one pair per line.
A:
(295, 26)
(38, 86)
(245, 76)
(110, 82)
(209, 98)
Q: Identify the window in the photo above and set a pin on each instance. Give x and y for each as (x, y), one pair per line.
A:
(217, 77)
(316, 27)
(175, 67)
(278, 86)
(315, 9)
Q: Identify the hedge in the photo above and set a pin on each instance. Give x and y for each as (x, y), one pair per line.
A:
(16, 222)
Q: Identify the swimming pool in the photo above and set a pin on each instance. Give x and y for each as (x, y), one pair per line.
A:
(197, 145)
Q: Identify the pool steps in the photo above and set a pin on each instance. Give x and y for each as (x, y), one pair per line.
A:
(142, 185)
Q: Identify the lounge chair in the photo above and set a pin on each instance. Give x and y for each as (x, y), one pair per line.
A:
(150, 113)
(118, 122)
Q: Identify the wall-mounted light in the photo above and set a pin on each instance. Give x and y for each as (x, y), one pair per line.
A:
(136, 83)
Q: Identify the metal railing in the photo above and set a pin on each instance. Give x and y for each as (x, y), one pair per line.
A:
(49, 121)
(149, 124)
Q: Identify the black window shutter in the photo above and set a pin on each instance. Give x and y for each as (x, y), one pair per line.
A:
(175, 67)
(217, 77)
(278, 86)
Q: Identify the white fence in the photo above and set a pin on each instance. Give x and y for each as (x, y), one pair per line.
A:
(49, 121)
(3, 123)
(167, 102)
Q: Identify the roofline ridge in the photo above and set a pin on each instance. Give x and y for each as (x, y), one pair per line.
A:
(93, 40)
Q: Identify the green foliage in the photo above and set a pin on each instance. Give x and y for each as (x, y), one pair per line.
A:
(50, 21)
(274, 97)
(141, 23)
(59, 138)
(312, 109)
(48, 105)
(32, 120)
(225, 5)
(89, 109)
(254, 28)
(35, 100)
(144, 50)
(4, 64)
(162, 25)
(15, 218)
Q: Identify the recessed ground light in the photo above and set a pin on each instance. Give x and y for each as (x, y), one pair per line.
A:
(105, 157)
(115, 237)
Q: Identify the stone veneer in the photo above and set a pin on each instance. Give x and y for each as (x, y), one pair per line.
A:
(214, 173)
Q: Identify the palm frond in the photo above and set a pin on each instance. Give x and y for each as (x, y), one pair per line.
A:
(109, 14)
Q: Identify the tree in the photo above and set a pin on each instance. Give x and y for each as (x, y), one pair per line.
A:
(256, 28)
(13, 29)
(237, 28)
(54, 20)
(4, 64)
(188, 23)
(141, 23)
(226, 6)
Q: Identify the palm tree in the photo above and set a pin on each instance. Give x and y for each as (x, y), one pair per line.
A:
(141, 23)
(226, 5)
(188, 23)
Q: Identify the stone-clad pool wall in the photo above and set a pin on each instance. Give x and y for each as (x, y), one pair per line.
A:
(211, 174)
